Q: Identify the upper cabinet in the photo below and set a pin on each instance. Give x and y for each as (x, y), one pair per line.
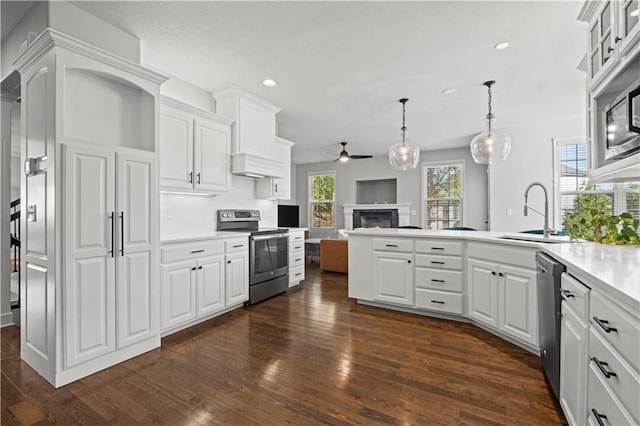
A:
(278, 188)
(195, 149)
(254, 132)
(613, 69)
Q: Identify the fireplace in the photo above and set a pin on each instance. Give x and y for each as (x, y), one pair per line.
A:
(375, 218)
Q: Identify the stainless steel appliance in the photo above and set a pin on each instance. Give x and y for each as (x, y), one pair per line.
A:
(549, 272)
(622, 119)
(268, 253)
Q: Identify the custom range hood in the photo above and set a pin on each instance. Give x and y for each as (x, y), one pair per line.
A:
(254, 133)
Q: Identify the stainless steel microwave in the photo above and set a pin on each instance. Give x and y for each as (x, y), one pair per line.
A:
(623, 124)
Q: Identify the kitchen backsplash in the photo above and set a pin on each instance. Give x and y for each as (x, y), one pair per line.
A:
(190, 214)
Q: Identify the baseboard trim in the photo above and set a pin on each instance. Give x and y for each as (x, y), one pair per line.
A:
(6, 319)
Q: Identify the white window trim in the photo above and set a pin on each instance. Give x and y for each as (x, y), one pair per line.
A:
(556, 202)
(423, 196)
(311, 200)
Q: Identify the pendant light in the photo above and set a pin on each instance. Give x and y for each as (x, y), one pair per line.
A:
(491, 144)
(403, 155)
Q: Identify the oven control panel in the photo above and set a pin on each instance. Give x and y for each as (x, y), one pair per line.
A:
(238, 215)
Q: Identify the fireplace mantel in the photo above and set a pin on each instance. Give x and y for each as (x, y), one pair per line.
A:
(403, 212)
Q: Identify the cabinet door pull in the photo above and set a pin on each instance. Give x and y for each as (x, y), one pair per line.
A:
(276, 185)
(408, 261)
(190, 177)
(436, 281)
(198, 251)
(610, 50)
(566, 293)
(391, 245)
(438, 301)
(493, 272)
(198, 178)
(437, 263)
(298, 259)
(601, 366)
(121, 233)
(604, 324)
(228, 261)
(193, 268)
(297, 247)
(199, 267)
(598, 417)
(500, 274)
(298, 274)
(238, 245)
(113, 233)
(437, 248)
(618, 39)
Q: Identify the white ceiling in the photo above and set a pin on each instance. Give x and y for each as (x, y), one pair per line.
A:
(342, 66)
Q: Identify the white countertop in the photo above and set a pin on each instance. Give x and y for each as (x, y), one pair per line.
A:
(615, 269)
(209, 235)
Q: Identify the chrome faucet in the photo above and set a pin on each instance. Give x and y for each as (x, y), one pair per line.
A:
(546, 230)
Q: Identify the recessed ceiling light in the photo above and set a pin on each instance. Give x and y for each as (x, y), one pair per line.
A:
(269, 83)
(449, 91)
(502, 45)
(635, 12)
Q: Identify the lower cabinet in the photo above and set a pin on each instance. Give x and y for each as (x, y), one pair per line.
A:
(393, 277)
(573, 366)
(296, 257)
(202, 279)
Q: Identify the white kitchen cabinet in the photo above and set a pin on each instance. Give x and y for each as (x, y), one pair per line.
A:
(202, 279)
(393, 277)
(195, 149)
(573, 366)
(178, 293)
(501, 294)
(237, 277)
(296, 256)
(278, 188)
(110, 250)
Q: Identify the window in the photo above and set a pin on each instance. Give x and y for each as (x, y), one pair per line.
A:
(322, 200)
(577, 194)
(443, 191)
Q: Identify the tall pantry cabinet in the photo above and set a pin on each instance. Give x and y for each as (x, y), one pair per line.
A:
(90, 218)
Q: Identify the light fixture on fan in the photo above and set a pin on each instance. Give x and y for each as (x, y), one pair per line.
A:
(403, 155)
(491, 144)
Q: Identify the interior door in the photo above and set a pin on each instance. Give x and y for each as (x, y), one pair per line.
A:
(136, 236)
(89, 272)
(212, 149)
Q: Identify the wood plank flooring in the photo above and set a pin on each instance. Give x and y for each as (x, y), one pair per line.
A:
(311, 356)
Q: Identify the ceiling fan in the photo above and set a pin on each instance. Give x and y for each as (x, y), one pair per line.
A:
(344, 155)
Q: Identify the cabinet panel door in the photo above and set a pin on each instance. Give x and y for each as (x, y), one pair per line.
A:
(210, 292)
(178, 294)
(89, 272)
(393, 278)
(176, 149)
(136, 254)
(212, 149)
(483, 292)
(518, 301)
(237, 278)
(573, 367)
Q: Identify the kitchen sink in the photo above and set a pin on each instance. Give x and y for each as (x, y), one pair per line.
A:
(553, 239)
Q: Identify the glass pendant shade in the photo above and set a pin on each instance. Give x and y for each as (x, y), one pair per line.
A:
(490, 145)
(403, 155)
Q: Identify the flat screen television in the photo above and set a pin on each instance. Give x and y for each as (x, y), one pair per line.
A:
(288, 216)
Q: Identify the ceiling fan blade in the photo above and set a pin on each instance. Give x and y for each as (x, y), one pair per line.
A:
(360, 157)
(336, 160)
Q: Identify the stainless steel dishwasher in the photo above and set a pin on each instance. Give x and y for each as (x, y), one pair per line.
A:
(549, 272)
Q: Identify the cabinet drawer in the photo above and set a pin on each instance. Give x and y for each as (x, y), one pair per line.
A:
(512, 255)
(296, 259)
(439, 247)
(296, 247)
(576, 295)
(239, 244)
(296, 237)
(624, 381)
(439, 301)
(601, 399)
(439, 280)
(388, 244)
(626, 337)
(186, 251)
(296, 274)
(439, 262)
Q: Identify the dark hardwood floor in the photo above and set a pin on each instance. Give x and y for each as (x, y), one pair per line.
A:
(311, 356)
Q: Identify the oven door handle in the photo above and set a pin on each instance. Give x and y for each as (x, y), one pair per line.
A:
(268, 237)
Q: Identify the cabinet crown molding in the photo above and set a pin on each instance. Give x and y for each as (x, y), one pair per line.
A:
(236, 91)
(50, 39)
(588, 9)
(174, 103)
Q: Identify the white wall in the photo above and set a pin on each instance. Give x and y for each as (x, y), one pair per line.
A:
(192, 214)
(409, 185)
(530, 160)
(186, 92)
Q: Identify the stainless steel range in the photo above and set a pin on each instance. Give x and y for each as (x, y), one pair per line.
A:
(268, 253)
